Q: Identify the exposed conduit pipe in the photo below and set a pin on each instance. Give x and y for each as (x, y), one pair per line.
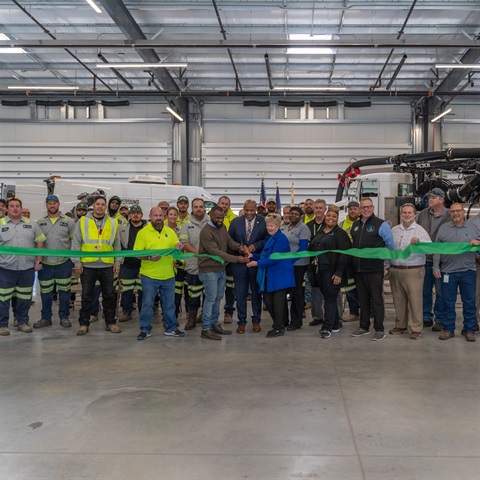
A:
(116, 72)
(54, 38)
(378, 81)
(396, 72)
(238, 85)
(269, 72)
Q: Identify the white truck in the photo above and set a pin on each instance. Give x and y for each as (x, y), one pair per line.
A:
(410, 178)
(144, 190)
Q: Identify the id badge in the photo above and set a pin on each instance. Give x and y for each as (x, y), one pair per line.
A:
(445, 278)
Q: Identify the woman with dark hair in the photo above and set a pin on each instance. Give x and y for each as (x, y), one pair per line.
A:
(274, 277)
(329, 268)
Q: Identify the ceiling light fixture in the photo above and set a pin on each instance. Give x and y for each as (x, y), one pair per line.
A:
(175, 114)
(94, 6)
(310, 89)
(141, 65)
(40, 87)
(310, 50)
(474, 66)
(9, 49)
(439, 116)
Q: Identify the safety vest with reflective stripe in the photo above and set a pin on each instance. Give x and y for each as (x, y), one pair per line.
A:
(93, 242)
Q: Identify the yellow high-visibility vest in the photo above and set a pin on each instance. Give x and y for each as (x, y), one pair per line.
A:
(93, 242)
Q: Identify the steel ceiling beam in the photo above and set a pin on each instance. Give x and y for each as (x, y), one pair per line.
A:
(374, 42)
(130, 28)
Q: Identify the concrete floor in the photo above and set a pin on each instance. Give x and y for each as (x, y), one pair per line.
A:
(108, 407)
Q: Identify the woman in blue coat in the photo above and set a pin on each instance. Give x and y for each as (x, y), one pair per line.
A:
(274, 277)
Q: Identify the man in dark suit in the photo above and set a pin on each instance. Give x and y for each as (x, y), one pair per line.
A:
(248, 230)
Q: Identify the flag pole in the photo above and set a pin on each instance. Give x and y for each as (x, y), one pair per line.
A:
(292, 200)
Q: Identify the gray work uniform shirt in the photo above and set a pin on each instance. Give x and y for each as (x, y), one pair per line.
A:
(21, 234)
(59, 233)
(190, 233)
(449, 232)
(294, 235)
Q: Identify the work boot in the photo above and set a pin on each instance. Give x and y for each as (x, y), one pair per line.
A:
(228, 318)
(42, 323)
(83, 330)
(93, 318)
(192, 320)
(126, 317)
(210, 335)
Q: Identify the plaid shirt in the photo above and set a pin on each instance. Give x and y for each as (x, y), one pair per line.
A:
(402, 237)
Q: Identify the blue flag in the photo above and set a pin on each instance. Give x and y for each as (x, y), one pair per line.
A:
(278, 201)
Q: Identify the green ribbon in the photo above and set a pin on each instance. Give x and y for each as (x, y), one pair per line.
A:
(423, 248)
(47, 252)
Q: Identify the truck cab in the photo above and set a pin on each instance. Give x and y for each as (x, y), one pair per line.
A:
(387, 190)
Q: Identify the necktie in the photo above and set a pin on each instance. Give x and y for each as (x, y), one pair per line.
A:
(249, 230)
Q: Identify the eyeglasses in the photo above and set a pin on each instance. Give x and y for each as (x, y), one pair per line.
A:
(456, 211)
(366, 207)
(114, 203)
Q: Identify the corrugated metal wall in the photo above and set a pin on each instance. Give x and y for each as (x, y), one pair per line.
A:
(462, 127)
(309, 148)
(37, 142)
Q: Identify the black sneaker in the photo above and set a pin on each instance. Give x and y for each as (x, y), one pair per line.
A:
(316, 321)
(292, 328)
(143, 336)
(275, 333)
(325, 334)
(175, 333)
(427, 323)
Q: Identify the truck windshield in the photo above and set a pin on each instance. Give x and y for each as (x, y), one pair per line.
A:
(369, 188)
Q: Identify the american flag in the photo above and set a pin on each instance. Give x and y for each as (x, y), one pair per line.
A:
(263, 195)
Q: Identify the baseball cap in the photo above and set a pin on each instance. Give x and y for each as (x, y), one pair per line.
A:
(81, 206)
(182, 198)
(353, 203)
(53, 198)
(436, 192)
(271, 200)
(2, 200)
(136, 208)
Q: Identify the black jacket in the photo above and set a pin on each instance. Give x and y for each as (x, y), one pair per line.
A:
(336, 263)
(365, 235)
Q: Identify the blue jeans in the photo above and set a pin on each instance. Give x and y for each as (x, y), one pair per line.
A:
(48, 276)
(214, 285)
(466, 281)
(439, 308)
(19, 283)
(150, 288)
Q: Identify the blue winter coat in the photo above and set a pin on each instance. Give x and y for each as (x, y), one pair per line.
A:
(278, 273)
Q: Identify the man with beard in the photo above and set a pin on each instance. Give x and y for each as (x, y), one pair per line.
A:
(114, 209)
(224, 203)
(431, 219)
(97, 232)
(158, 274)
(457, 272)
(190, 239)
(309, 211)
(214, 240)
(353, 214)
(58, 230)
(17, 272)
(250, 231)
(130, 268)
(271, 206)
(182, 206)
(406, 275)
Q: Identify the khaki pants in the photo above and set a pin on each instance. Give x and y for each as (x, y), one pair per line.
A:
(407, 288)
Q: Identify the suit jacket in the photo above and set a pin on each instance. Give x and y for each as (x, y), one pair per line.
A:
(238, 232)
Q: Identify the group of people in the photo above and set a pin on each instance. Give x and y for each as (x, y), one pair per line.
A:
(231, 258)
